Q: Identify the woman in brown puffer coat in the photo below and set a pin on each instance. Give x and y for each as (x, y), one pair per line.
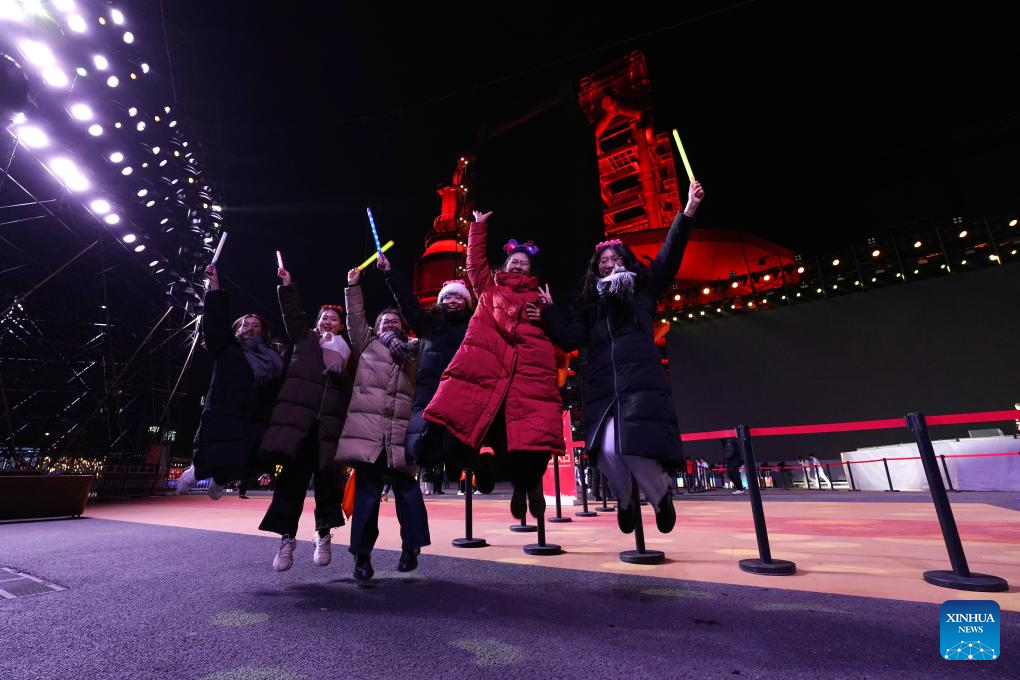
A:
(305, 424)
(373, 436)
(504, 374)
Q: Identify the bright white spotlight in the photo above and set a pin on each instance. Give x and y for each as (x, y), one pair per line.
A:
(150, 204)
(132, 112)
(126, 171)
(162, 163)
(81, 71)
(154, 263)
(118, 125)
(117, 16)
(68, 172)
(9, 10)
(145, 165)
(155, 150)
(113, 81)
(140, 126)
(142, 193)
(145, 67)
(95, 129)
(64, 5)
(81, 111)
(116, 157)
(100, 205)
(173, 123)
(55, 77)
(76, 23)
(32, 137)
(139, 248)
(37, 53)
(100, 61)
(129, 37)
(166, 109)
(164, 220)
(130, 238)
(113, 218)
(19, 118)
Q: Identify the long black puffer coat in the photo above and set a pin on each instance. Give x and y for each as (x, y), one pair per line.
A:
(441, 332)
(624, 372)
(236, 408)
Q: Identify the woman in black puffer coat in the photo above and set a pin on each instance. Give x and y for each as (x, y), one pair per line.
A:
(630, 422)
(441, 330)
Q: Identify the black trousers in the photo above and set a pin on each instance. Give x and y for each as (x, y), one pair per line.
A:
(733, 470)
(368, 485)
(524, 468)
(291, 486)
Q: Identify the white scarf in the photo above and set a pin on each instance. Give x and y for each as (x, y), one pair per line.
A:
(335, 352)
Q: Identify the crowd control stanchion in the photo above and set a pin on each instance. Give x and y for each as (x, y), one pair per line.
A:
(605, 496)
(850, 476)
(888, 477)
(641, 555)
(541, 548)
(765, 564)
(960, 578)
(585, 512)
(468, 541)
(559, 518)
(949, 480)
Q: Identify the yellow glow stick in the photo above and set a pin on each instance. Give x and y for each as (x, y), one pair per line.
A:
(683, 155)
(389, 244)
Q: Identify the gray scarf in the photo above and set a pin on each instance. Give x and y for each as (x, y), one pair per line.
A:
(266, 365)
(401, 349)
(620, 283)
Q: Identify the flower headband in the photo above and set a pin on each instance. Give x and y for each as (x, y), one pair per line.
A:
(605, 244)
(513, 246)
(339, 309)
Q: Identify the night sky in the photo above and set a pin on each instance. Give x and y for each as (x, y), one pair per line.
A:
(815, 128)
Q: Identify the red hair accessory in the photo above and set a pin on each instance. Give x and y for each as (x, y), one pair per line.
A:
(339, 309)
(459, 282)
(605, 244)
(513, 246)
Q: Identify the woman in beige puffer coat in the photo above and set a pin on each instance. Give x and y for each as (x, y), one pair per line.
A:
(373, 436)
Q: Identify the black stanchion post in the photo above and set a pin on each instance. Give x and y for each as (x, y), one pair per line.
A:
(888, 477)
(949, 480)
(542, 548)
(559, 518)
(641, 555)
(765, 564)
(828, 473)
(468, 541)
(960, 577)
(605, 496)
(850, 476)
(585, 469)
(782, 474)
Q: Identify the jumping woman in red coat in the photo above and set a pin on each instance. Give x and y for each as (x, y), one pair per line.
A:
(504, 374)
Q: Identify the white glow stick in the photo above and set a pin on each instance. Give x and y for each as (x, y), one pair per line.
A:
(219, 249)
(279, 259)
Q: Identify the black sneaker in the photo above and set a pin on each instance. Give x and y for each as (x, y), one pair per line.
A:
(625, 519)
(665, 514)
(517, 504)
(408, 559)
(363, 570)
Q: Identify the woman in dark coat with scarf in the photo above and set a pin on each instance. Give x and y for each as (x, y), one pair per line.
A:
(504, 374)
(306, 423)
(441, 331)
(246, 375)
(630, 422)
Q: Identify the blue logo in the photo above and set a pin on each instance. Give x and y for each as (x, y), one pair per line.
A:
(969, 630)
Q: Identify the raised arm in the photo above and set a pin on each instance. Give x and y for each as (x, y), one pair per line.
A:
(357, 326)
(295, 322)
(568, 332)
(216, 329)
(478, 271)
(421, 323)
(671, 254)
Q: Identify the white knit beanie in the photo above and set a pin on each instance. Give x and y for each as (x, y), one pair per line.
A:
(455, 286)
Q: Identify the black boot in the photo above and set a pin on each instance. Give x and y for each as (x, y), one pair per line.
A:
(536, 500)
(517, 503)
(363, 570)
(485, 476)
(408, 559)
(665, 514)
(625, 519)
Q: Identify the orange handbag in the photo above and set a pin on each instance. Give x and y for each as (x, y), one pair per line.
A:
(347, 505)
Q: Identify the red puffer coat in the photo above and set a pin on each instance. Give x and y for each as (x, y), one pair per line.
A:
(505, 360)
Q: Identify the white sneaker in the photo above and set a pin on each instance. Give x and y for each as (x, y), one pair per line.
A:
(738, 492)
(185, 481)
(460, 493)
(284, 559)
(323, 554)
(215, 490)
